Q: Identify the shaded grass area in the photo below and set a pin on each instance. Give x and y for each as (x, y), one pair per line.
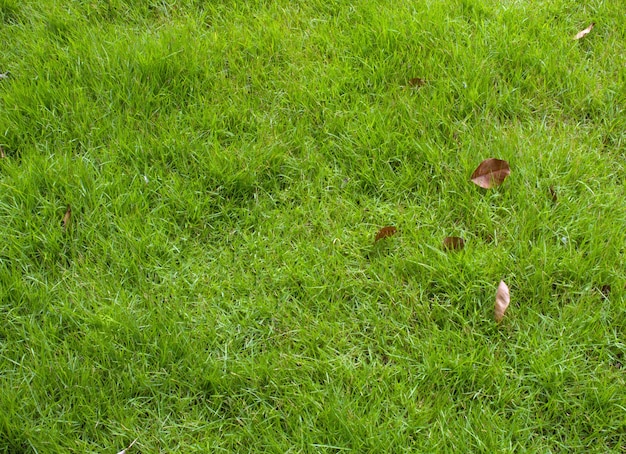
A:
(228, 166)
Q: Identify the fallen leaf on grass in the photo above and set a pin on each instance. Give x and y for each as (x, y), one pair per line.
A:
(66, 218)
(453, 243)
(385, 232)
(491, 173)
(502, 301)
(2, 154)
(417, 82)
(124, 451)
(584, 32)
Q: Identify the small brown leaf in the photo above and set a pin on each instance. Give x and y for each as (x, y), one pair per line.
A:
(417, 82)
(385, 232)
(453, 243)
(502, 301)
(491, 173)
(66, 219)
(2, 154)
(553, 194)
(584, 32)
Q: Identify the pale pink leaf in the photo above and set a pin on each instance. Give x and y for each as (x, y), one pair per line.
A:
(502, 301)
(584, 32)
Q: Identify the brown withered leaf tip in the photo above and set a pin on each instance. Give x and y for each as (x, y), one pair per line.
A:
(584, 32)
(453, 243)
(553, 194)
(417, 82)
(491, 173)
(385, 232)
(66, 218)
(2, 155)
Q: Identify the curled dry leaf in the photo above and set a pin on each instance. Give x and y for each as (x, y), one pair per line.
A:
(491, 173)
(453, 243)
(502, 301)
(584, 32)
(417, 82)
(385, 232)
(66, 218)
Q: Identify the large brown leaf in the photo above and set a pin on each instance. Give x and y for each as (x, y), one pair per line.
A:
(502, 301)
(491, 173)
(385, 232)
(453, 243)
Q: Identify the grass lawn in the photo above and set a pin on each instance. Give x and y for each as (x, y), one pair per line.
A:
(228, 164)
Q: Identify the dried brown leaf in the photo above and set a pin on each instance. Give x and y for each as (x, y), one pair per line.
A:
(584, 32)
(2, 154)
(66, 218)
(385, 232)
(417, 82)
(502, 301)
(491, 173)
(453, 243)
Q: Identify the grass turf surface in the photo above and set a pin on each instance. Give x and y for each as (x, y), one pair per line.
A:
(228, 164)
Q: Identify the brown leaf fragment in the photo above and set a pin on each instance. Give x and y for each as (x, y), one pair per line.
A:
(66, 218)
(453, 243)
(584, 32)
(417, 82)
(385, 232)
(606, 290)
(2, 153)
(553, 194)
(502, 301)
(491, 173)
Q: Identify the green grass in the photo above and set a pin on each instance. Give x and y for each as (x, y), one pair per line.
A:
(229, 163)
